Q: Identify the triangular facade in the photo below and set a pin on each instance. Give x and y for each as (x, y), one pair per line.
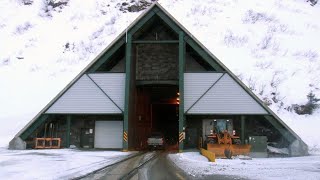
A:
(228, 95)
(154, 53)
(92, 95)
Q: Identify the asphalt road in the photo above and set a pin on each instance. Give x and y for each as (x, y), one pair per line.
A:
(160, 168)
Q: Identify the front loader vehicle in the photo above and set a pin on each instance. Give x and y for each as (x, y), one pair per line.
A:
(223, 142)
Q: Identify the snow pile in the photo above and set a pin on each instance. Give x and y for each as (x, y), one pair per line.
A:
(271, 45)
(306, 126)
(198, 164)
(265, 168)
(278, 150)
(54, 164)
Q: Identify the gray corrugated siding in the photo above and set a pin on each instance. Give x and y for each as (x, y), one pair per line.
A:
(113, 84)
(195, 84)
(225, 97)
(84, 97)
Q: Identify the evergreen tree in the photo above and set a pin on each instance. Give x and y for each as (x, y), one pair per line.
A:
(312, 103)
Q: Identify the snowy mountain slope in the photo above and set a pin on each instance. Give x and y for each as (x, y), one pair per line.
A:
(273, 46)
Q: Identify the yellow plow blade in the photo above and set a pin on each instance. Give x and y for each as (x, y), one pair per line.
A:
(219, 149)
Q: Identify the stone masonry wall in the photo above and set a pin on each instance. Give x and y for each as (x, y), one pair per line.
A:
(157, 62)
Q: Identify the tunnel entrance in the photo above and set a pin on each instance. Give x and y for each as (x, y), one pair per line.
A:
(157, 110)
(165, 120)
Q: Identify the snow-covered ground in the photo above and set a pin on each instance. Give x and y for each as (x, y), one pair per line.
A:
(54, 164)
(273, 46)
(258, 168)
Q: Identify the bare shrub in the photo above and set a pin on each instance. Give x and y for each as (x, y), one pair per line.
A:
(252, 17)
(26, 2)
(22, 28)
(5, 61)
(278, 28)
(232, 40)
(97, 33)
(266, 41)
(203, 10)
(275, 94)
(240, 76)
(52, 5)
(69, 47)
(308, 54)
(275, 81)
(264, 65)
(252, 83)
(269, 43)
(261, 89)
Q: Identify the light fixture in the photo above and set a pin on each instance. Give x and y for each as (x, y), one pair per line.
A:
(178, 99)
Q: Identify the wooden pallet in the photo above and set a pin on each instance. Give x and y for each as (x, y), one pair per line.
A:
(47, 143)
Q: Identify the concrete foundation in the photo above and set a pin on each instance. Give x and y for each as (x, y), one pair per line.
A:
(17, 144)
(258, 154)
(298, 148)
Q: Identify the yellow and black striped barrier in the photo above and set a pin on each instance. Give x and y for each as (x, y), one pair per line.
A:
(125, 136)
(181, 137)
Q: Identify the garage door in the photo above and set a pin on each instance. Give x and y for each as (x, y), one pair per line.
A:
(108, 134)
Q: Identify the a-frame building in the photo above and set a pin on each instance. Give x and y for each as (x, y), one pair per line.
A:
(155, 76)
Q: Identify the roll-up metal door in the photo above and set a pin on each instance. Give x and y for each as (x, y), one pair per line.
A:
(108, 134)
(217, 93)
(93, 94)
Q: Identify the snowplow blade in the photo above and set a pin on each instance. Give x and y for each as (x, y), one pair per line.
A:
(241, 149)
(219, 149)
